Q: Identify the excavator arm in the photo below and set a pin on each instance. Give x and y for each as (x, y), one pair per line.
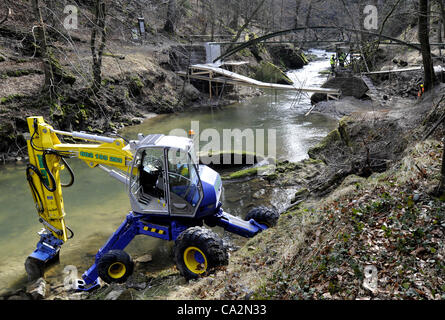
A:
(47, 156)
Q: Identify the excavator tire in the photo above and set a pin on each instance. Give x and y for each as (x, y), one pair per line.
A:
(199, 251)
(263, 215)
(115, 266)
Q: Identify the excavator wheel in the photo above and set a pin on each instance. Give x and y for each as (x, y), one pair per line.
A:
(115, 266)
(198, 251)
(263, 215)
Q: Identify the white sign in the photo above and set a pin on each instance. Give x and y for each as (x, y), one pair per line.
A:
(70, 22)
(372, 19)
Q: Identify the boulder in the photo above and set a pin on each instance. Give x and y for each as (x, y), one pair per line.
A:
(38, 290)
(287, 56)
(191, 93)
(268, 72)
(115, 294)
(144, 259)
(349, 86)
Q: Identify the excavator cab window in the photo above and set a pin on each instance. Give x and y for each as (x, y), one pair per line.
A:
(184, 183)
(148, 186)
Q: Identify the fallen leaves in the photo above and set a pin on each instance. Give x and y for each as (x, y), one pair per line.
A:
(394, 228)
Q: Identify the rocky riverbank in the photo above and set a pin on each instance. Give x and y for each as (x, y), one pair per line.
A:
(373, 232)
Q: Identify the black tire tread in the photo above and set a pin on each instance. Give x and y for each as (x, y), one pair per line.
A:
(207, 241)
(263, 215)
(114, 256)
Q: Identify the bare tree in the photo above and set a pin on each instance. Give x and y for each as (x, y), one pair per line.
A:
(44, 48)
(247, 22)
(429, 76)
(97, 49)
(441, 187)
(297, 12)
(308, 17)
(171, 17)
(442, 13)
(3, 20)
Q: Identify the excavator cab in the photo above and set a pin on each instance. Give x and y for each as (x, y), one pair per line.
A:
(166, 178)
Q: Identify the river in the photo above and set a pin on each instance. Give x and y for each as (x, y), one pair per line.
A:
(96, 204)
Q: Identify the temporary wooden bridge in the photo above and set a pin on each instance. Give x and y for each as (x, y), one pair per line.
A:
(212, 73)
(436, 70)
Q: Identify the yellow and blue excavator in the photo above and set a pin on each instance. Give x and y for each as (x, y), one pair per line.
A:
(171, 197)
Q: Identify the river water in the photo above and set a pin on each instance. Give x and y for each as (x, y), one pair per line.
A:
(96, 204)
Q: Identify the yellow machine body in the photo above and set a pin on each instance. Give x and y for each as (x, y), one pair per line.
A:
(43, 138)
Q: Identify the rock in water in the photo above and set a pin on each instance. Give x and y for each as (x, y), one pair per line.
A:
(349, 86)
(191, 93)
(288, 56)
(115, 294)
(144, 259)
(38, 289)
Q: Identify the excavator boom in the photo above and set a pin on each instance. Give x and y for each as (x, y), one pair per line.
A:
(47, 156)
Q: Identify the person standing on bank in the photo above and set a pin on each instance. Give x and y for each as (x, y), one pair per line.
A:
(333, 61)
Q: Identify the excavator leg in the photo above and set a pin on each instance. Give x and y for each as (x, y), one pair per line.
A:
(132, 226)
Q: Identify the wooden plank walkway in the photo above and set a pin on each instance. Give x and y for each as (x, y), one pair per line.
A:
(436, 69)
(212, 73)
(373, 90)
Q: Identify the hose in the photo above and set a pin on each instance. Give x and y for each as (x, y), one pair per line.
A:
(71, 231)
(50, 175)
(37, 199)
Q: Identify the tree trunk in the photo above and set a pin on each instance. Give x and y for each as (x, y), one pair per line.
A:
(99, 26)
(429, 76)
(246, 23)
(441, 189)
(308, 18)
(442, 12)
(212, 18)
(297, 12)
(171, 17)
(5, 18)
(235, 6)
(43, 45)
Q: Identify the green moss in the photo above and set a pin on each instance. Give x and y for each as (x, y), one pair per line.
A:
(245, 53)
(247, 172)
(19, 73)
(10, 98)
(344, 123)
(331, 138)
(312, 161)
(305, 59)
(325, 72)
(138, 82)
(301, 192)
(56, 109)
(268, 72)
(225, 152)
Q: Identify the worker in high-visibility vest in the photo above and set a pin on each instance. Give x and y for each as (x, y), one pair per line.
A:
(421, 91)
(342, 59)
(333, 61)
